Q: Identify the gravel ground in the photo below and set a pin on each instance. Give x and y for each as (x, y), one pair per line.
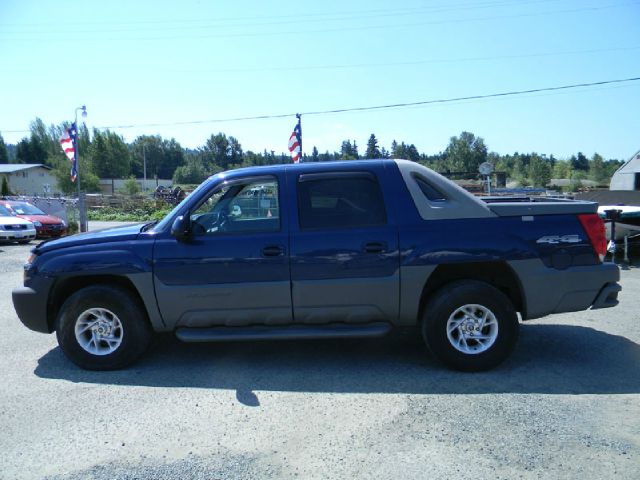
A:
(566, 405)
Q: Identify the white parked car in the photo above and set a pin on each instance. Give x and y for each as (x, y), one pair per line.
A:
(15, 229)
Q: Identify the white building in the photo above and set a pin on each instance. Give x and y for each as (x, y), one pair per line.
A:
(627, 177)
(29, 179)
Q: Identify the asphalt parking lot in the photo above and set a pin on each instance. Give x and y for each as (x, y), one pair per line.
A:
(566, 405)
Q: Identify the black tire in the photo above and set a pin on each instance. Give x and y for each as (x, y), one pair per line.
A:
(441, 308)
(134, 330)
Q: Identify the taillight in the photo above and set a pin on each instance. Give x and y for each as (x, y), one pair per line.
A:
(594, 227)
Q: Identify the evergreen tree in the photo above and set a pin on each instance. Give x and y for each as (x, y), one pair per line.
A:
(580, 162)
(109, 155)
(372, 148)
(4, 190)
(4, 154)
(348, 151)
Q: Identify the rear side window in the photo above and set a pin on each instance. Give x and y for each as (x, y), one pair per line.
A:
(341, 201)
(429, 191)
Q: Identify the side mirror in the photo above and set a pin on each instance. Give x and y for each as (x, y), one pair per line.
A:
(181, 228)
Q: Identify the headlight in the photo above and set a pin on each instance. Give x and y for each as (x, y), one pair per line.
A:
(37, 223)
(63, 223)
(27, 267)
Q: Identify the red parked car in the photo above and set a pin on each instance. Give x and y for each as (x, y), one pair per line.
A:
(46, 225)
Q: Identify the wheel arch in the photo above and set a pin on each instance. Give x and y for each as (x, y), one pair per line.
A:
(498, 274)
(64, 288)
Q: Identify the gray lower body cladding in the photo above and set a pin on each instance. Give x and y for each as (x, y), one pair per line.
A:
(547, 290)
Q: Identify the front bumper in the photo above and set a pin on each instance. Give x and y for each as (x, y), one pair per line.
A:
(12, 235)
(31, 307)
(49, 231)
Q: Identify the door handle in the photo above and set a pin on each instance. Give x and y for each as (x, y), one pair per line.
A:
(273, 251)
(375, 247)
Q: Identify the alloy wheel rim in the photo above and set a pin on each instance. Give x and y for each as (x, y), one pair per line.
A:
(99, 331)
(472, 329)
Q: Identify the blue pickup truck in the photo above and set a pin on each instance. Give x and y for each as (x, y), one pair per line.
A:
(322, 250)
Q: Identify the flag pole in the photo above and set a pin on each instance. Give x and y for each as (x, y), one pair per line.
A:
(82, 216)
(299, 117)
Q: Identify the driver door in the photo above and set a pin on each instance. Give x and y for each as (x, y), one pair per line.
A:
(235, 269)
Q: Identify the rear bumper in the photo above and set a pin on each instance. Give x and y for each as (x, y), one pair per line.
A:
(608, 296)
(31, 307)
(547, 290)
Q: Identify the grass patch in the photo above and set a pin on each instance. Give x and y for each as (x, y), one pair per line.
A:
(133, 212)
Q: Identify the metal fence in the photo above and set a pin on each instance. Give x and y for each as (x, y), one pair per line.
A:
(65, 208)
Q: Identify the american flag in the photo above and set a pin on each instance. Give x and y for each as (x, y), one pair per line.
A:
(294, 143)
(68, 144)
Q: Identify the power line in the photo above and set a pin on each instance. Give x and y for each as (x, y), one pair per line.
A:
(244, 34)
(475, 97)
(346, 66)
(368, 108)
(345, 14)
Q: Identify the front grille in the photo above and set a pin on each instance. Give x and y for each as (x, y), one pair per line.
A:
(15, 227)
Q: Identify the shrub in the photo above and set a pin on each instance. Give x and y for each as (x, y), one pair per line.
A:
(131, 187)
(5, 188)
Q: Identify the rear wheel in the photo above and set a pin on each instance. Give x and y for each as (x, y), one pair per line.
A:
(470, 325)
(103, 328)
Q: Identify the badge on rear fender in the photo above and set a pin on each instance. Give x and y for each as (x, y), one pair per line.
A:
(555, 239)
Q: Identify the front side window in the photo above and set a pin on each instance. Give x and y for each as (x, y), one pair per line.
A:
(343, 201)
(239, 207)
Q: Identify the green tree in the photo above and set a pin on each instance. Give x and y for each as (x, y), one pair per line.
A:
(539, 171)
(315, 155)
(579, 162)
(348, 150)
(162, 156)
(221, 151)
(404, 151)
(109, 155)
(561, 169)
(89, 181)
(465, 153)
(4, 191)
(597, 170)
(373, 151)
(191, 173)
(4, 154)
(31, 151)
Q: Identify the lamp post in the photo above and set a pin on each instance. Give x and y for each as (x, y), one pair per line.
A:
(81, 204)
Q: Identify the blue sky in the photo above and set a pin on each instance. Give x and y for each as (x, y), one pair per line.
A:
(157, 62)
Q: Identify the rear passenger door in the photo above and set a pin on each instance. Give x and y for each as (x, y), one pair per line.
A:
(344, 249)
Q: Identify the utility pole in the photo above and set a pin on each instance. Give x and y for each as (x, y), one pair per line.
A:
(144, 162)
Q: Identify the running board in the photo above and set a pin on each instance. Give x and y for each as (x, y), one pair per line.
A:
(292, 332)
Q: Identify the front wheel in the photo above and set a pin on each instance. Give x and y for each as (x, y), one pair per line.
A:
(103, 328)
(470, 325)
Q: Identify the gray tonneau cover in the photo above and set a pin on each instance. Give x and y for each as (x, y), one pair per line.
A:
(542, 207)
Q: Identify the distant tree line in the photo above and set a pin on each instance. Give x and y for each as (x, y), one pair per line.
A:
(105, 154)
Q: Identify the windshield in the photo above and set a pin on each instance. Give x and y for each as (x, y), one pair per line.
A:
(26, 209)
(4, 212)
(164, 223)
